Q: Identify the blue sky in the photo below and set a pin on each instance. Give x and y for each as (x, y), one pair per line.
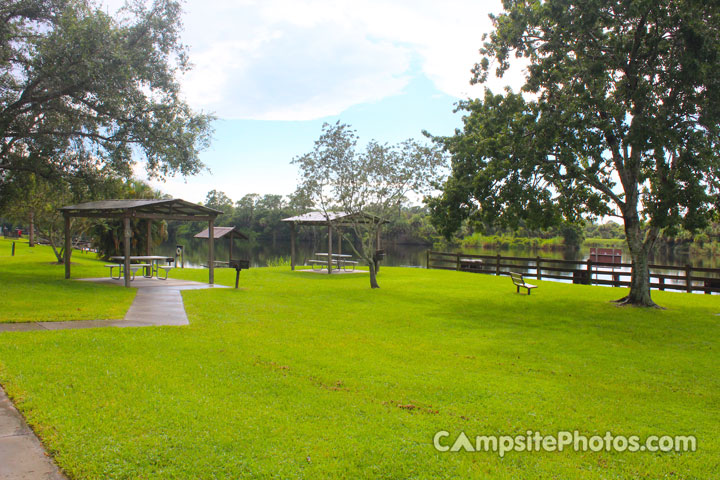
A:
(253, 156)
(273, 71)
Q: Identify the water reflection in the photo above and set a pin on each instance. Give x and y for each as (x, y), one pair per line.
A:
(196, 253)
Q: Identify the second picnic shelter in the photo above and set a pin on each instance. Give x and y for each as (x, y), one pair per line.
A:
(221, 232)
(331, 220)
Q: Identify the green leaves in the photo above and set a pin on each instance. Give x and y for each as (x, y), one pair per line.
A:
(502, 171)
(624, 116)
(336, 177)
(368, 185)
(74, 80)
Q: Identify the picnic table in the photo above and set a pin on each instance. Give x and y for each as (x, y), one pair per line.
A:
(341, 261)
(149, 263)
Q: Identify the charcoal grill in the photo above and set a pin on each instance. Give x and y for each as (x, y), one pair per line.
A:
(238, 265)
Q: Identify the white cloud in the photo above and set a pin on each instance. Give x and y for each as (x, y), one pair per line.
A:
(279, 60)
(306, 59)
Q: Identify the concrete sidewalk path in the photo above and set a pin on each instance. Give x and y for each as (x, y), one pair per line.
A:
(157, 303)
(22, 456)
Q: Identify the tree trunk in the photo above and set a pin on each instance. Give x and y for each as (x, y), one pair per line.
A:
(52, 239)
(639, 246)
(59, 255)
(365, 252)
(32, 228)
(640, 281)
(373, 276)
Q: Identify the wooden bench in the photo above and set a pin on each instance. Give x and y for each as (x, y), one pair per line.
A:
(111, 266)
(519, 281)
(345, 263)
(339, 262)
(166, 269)
(322, 263)
(218, 264)
(134, 267)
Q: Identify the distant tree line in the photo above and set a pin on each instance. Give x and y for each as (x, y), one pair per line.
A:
(37, 200)
(704, 242)
(260, 218)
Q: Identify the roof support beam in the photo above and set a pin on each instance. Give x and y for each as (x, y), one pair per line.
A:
(211, 250)
(126, 236)
(68, 246)
(329, 249)
(292, 245)
(148, 216)
(148, 246)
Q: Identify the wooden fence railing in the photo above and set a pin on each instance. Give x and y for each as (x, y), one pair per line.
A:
(662, 277)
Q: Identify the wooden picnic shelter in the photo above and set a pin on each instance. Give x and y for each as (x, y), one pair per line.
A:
(330, 220)
(220, 232)
(154, 209)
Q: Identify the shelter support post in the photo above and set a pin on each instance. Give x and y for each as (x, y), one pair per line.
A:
(339, 242)
(68, 246)
(329, 265)
(377, 249)
(232, 236)
(211, 250)
(148, 247)
(292, 246)
(126, 245)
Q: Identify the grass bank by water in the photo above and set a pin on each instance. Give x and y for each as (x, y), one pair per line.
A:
(508, 242)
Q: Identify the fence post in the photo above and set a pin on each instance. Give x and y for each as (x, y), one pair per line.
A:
(457, 263)
(13, 249)
(427, 259)
(589, 271)
(497, 265)
(688, 278)
(537, 266)
(661, 279)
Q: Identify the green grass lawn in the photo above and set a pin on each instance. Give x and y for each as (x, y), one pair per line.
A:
(34, 287)
(300, 375)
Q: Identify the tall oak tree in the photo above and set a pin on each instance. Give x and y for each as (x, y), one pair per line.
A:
(81, 90)
(619, 115)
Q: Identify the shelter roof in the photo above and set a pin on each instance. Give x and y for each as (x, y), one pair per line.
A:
(219, 232)
(169, 208)
(335, 218)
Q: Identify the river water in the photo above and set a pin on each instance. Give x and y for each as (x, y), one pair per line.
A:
(196, 253)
